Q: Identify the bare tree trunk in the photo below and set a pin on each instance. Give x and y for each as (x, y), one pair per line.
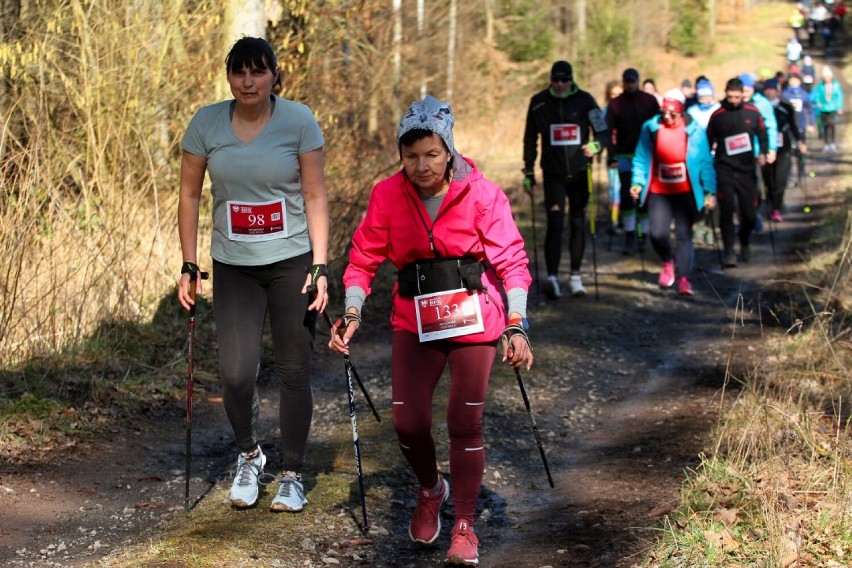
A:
(373, 113)
(489, 22)
(242, 18)
(451, 49)
(10, 13)
(397, 56)
(421, 20)
(711, 23)
(580, 27)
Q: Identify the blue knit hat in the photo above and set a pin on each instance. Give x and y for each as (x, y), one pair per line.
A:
(704, 88)
(747, 79)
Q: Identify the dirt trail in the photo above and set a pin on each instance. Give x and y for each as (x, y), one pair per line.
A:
(625, 389)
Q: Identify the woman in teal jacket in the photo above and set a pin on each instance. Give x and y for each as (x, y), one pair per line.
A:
(673, 171)
(827, 99)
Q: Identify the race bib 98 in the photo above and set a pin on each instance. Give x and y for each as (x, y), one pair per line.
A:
(257, 221)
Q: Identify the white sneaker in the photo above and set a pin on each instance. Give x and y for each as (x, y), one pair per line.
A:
(576, 285)
(290, 496)
(553, 290)
(245, 489)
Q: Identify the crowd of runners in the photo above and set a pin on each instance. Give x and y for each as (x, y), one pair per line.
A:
(685, 156)
(714, 164)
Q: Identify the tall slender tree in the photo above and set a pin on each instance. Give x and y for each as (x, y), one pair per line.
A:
(421, 21)
(397, 56)
(451, 48)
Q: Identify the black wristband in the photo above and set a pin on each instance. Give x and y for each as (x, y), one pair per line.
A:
(194, 272)
(317, 270)
(188, 268)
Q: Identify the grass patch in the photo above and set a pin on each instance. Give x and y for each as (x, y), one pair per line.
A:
(774, 491)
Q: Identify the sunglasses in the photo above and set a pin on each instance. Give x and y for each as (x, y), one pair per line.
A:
(560, 79)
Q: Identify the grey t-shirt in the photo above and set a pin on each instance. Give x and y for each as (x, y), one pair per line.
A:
(247, 173)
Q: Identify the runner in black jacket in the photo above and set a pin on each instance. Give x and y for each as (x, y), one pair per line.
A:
(624, 117)
(732, 130)
(776, 174)
(565, 118)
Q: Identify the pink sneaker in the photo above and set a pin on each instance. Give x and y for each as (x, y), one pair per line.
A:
(463, 545)
(667, 275)
(776, 216)
(684, 288)
(426, 520)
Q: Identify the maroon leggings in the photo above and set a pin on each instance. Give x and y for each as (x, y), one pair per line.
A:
(417, 367)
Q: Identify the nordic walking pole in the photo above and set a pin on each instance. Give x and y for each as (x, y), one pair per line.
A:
(347, 364)
(710, 213)
(801, 173)
(354, 372)
(592, 213)
(534, 427)
(771, 235)
(639, 236)
(534, 243)
(349, 369)
(602, 164)
(807, 206)
(190, 378)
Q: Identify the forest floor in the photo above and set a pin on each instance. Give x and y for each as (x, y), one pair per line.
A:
(628, 384)
(626, 390)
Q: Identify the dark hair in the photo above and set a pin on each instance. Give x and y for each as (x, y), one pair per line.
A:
(252, 53)
(415, 134)
(734, 85)
(649, 80)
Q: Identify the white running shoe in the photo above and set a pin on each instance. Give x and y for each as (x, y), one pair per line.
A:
(290, 496)
(245, 489)
(552, 287)
(576, 285)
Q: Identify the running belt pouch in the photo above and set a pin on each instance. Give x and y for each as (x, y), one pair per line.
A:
(430, 275)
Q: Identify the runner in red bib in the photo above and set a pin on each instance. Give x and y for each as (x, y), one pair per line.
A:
(449, 232)
(673, 172)
(731, 130)
(264, 157)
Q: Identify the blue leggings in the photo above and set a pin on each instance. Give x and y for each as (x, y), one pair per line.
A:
(242, 295)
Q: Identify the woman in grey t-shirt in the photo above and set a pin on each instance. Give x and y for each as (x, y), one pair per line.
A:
(264, 155)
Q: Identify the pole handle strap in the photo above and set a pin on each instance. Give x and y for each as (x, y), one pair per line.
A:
(512, 330)
(343, 322)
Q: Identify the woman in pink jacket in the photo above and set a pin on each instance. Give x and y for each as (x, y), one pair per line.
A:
(449, 232)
